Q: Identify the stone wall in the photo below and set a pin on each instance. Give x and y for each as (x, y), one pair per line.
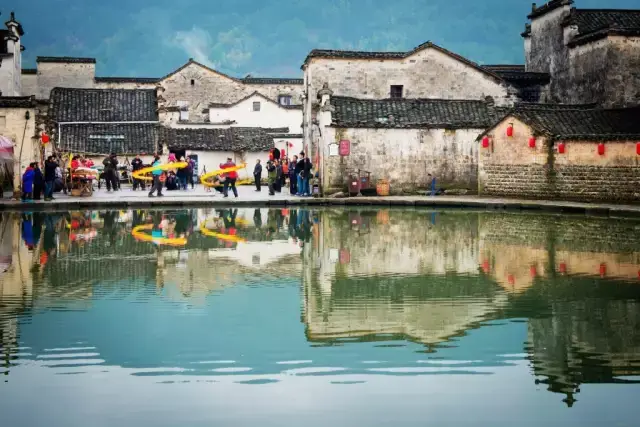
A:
(212, 87)
(546, 47)
(584, 80)
(623, 78)
(405, 157)
(510, 168)
(426, 74)
(61, 74)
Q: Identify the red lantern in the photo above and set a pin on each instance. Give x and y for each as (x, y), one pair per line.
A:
(638, 148)
(601, 148)
(511, 279)
(532, 142)
(603, 269)
(290, 144)
(563, 268)
(45, 138)
(485, 266)
(485, 142)
(561, 148)
(510, 130)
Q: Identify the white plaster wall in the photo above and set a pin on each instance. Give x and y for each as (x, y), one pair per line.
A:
(6, 76)
(9, 82)
(271, 115)
(23, 138)
(60, 74)
(426, 74)
(405, 157)
(29, 84)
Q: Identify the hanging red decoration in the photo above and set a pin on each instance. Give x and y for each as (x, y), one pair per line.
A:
(532, 142)
(563, 268)
(638, 148)
(561, 147)
(485, 142)
(601, 148)
(510, 130)
(45, 138)
(290, 144)
(603, 269)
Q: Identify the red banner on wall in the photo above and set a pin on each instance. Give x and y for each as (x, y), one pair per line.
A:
(344, 148)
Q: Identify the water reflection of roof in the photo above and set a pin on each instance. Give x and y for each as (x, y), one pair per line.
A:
(260, 254)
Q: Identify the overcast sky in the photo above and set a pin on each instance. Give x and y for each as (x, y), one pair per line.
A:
(150, 38)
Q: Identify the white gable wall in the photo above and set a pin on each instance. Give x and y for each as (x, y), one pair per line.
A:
(270, 115)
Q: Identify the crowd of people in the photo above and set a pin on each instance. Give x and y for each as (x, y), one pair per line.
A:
(280, 171)
(295, 172)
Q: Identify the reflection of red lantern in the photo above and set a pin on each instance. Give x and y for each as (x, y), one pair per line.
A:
(533, 271)
(510, 130)
(561, 148)
(603, 269)
(485, 266)
(511, 279)
(638, 148)
(601, 149)
(45, 138)
(485, 142)
(345, 256)
(532, 142)
(563, 268)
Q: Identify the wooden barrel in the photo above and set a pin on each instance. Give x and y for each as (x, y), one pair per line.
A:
(382, 187)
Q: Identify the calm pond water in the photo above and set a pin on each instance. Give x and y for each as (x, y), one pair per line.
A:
(318, 317)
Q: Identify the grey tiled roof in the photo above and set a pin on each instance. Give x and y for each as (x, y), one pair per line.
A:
(411, 113)
(17, 101)
(547, 7)
(127, 79)
(516, 75)
(66, 59)
(594, 24)
(272, 81)
(585, 122)
(103, 105)
(120, 138)
(229, 139)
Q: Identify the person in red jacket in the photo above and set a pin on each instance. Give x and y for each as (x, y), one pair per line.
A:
(230, 178)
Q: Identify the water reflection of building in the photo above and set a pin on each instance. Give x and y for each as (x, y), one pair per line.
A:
(405, 273)
(577, 280)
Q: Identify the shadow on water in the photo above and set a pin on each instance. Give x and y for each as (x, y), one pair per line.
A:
(261, 295)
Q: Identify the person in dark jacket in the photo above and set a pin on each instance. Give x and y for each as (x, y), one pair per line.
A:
(257, 175)
(277, 186)
(182, 177)
(300, 175)
(38, 181)
(308, 166)
(136, 165)
(111, 172)
(50, 166)
(271, 176)
(293, 178)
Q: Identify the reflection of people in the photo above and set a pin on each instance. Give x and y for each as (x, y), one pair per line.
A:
(257, 218)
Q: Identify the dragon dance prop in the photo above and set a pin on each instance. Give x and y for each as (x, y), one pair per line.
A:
(204, 179)
(137, 233)
(142, 173)
(226, 237)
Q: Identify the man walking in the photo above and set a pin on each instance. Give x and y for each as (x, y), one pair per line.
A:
(136, 165)
(257, 175)
(50, 166)
(230, 178)
(111, 172)
(157, 184)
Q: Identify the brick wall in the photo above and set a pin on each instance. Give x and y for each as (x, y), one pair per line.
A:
(510, 168)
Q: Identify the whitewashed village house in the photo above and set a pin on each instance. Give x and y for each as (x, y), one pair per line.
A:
(405, 114)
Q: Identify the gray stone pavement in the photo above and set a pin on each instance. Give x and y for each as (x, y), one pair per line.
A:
(249, 197)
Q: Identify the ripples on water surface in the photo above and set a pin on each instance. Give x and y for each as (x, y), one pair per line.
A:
(326, 317)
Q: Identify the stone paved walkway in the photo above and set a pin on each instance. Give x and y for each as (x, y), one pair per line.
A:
(249, 197)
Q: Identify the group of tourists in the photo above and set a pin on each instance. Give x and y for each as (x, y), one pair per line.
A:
(280, 171)
(36, 184)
